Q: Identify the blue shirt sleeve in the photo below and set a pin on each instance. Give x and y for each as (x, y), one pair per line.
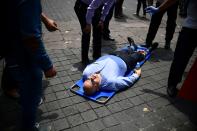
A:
(30, 27)
(107, 6)
(91, 69)
(121, 82)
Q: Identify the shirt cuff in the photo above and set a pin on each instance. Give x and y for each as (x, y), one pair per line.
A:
(136, 76)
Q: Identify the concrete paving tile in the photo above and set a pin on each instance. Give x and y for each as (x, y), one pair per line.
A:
(65, 102)
(110, 121)
(70, 110)
(96, 125)
(102, 111)
(75, 120)
(60, 124)
(89, 115)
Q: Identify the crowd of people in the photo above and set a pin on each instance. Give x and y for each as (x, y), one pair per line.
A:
(26, 59)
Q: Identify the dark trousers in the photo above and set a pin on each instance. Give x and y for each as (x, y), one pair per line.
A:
(143, 2)
(106, 31)
(130, 58)
(80, 10)
(118, 7)
(28, 78)
(156, 21)
(7, 80)
(185, 47)
(150, 2)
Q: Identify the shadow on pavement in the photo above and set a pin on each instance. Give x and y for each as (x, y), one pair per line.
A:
(162, 54)
(187, 107)
(11, 112)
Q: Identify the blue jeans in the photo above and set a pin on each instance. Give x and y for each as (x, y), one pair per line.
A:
(29, 80)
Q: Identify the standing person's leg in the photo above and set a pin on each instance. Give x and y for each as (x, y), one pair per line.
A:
(118, 9)
(97, 34)
(186, 44)
(106, 31)
(144, 6)
(28, 78)
(80, 10)
(138, 7)
(153, 27)
(171, 24)
(8, 84)
(30, 95)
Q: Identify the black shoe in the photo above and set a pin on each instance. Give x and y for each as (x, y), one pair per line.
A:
(146, 45)
(167, 46)
(172, 91)
(108, 38)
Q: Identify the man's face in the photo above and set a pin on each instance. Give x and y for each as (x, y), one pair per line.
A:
(91, 85)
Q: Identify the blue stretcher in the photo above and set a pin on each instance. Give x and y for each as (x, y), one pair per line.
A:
(104, 96)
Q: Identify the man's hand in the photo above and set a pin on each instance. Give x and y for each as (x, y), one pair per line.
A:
(50, 73)
(151, 10)
(51, 25)
(101, 25)
(87, 29)
(138, 71)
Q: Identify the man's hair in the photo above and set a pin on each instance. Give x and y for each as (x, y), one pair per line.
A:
(88, 88)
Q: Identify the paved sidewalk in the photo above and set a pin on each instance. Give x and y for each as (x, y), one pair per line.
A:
(143, 107)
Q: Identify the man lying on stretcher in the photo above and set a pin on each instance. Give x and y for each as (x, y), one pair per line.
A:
(108, 72)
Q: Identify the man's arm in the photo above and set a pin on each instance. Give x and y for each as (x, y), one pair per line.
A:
(166, 4)
(121, 82)
(95, 4)
(30, 28)
(107, 6)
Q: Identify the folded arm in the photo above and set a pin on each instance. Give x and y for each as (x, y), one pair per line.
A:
(121, 82)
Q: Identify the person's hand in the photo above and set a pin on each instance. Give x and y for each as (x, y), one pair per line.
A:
(138, 71)
(50, 73)
(101, 25)
(151, 10)
(51, 25)
(87, 29)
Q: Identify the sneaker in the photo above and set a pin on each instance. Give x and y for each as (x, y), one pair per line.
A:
(41, 101)
(172, 91)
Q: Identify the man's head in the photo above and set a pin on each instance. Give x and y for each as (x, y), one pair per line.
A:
(91, 85)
